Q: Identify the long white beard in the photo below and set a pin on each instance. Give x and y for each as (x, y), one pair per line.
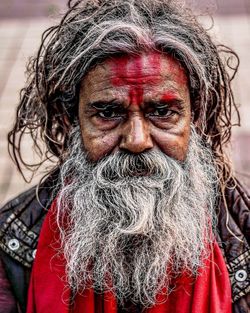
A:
(134, 216)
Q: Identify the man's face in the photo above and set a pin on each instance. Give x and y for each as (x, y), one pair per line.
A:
(135, 104)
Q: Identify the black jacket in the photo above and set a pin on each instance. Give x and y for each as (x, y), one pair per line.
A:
(21, 220)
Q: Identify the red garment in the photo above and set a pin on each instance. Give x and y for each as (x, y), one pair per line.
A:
(210, 292)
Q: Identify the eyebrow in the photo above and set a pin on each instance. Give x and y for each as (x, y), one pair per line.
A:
(104, 105)
(115, 104)
(163, 103)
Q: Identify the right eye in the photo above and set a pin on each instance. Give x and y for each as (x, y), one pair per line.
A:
(111, 113)
(107, 114)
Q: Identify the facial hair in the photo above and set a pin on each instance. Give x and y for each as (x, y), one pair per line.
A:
(131, 218)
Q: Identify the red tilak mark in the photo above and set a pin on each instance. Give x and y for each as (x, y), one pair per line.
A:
(168, 96)
(129, 71)
(136, 91)
(119, 69)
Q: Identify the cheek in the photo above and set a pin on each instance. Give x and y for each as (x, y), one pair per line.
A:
(99, 144)
(173, 144)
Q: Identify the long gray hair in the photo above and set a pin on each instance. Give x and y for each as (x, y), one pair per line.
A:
(92, 31)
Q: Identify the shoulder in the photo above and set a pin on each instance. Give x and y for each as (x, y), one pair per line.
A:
(234, 213)
(234, 233)
(21, 220)
(238, 202)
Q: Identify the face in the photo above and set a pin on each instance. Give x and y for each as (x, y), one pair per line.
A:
(135, 104)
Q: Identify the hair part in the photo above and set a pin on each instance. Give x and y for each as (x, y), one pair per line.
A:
(94, 30)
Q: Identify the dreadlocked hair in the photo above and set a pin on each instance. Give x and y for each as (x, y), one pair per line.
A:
(92, 31)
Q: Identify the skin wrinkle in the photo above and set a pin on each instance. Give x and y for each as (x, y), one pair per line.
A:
(136, 81)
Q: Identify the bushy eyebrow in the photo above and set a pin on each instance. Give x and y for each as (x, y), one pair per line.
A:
(115, 104)
(164, 103)
(104, 105)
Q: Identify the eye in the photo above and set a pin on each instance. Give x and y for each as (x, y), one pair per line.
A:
(110, 113)
(162, 112)
(107, 114)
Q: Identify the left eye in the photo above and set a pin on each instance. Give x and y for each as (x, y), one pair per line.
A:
(162, 112)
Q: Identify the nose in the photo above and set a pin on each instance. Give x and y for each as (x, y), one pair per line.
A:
(136, 136)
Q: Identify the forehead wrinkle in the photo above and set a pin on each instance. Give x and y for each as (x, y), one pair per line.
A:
(102, 91)
(101, 81)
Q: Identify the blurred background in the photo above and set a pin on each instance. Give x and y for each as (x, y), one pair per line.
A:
(21, 25)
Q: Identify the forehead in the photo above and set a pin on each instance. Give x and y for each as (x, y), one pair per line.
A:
(145, 66)
(147, 71)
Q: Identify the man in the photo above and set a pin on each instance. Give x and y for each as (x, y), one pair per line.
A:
(142, 212)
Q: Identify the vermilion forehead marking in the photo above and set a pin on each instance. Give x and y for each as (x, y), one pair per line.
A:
(168, 96)
(119, 69)
(129, 71)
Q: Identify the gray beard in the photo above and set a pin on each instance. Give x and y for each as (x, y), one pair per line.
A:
(132, 217)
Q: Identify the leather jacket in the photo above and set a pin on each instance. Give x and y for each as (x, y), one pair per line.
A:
(21, 220)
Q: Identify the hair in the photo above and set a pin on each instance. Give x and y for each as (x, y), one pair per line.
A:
(94, 30)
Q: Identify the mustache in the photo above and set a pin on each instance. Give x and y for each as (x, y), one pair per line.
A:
(122, 165)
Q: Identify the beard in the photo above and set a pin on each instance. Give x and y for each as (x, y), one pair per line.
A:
(135, 220)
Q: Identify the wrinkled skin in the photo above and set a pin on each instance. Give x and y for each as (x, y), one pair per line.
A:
(134, 104)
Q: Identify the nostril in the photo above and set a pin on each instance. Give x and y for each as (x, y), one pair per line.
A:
(134, 150)
(135, 147)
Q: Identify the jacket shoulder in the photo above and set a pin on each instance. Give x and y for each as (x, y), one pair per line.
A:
(16, 204)
(21, 220)
(238, 200)
(234, 232)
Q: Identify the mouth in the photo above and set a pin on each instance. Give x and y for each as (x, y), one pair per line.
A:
(141, 173)
(128, 173)
(130, 166)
